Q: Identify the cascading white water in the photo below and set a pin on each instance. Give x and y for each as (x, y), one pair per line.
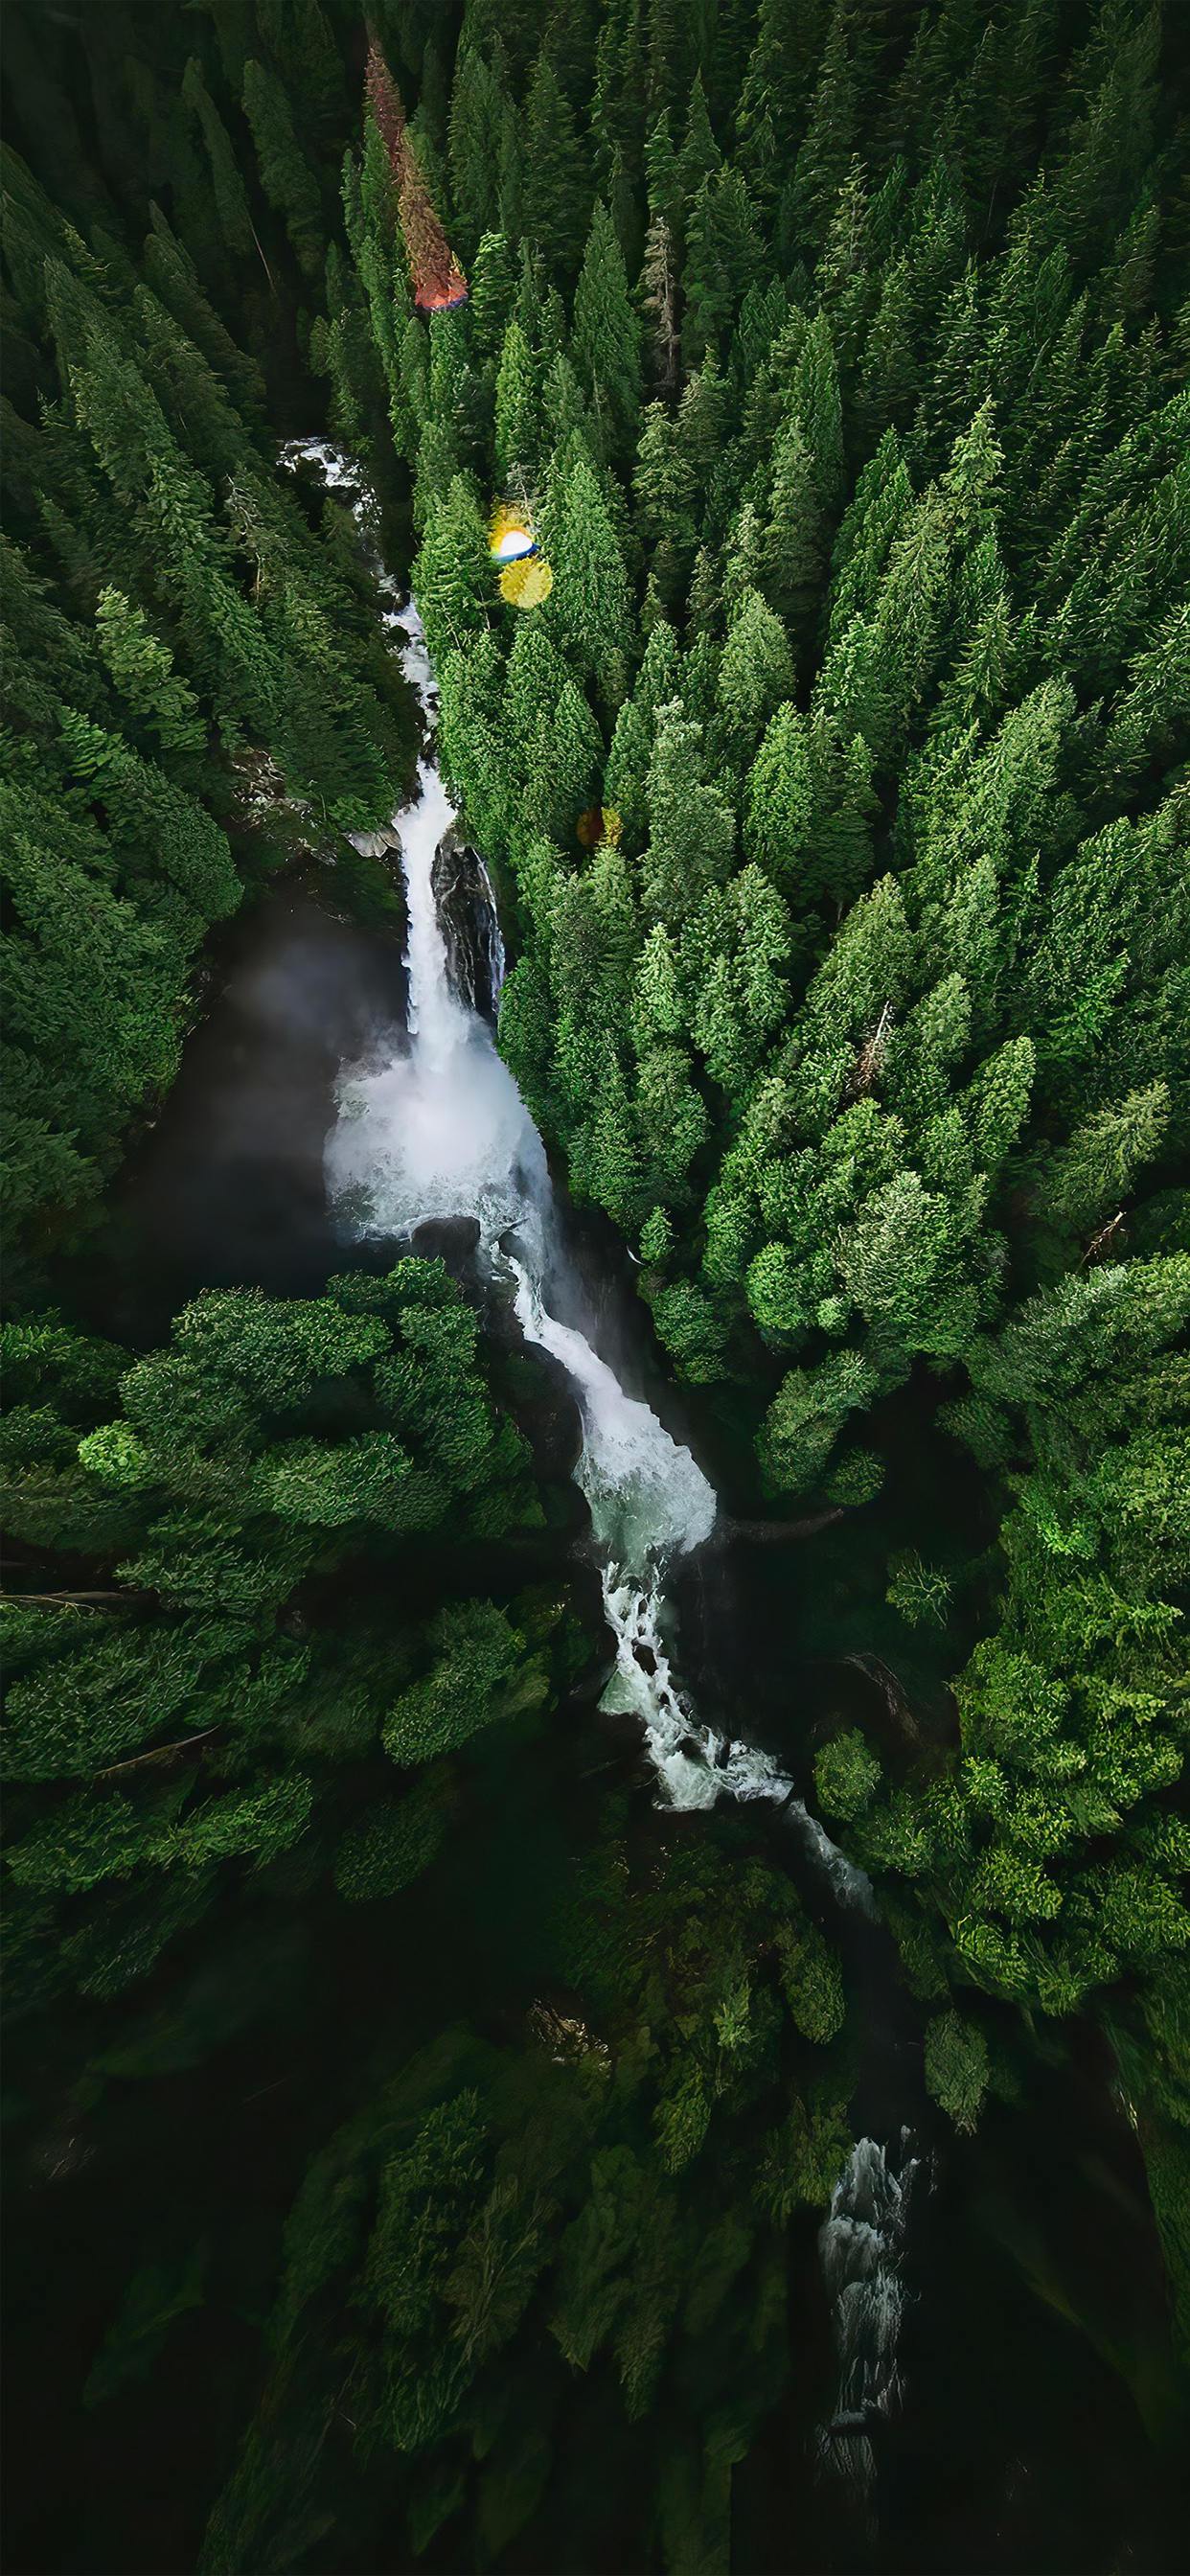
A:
(862, 2244)
(437, 1128)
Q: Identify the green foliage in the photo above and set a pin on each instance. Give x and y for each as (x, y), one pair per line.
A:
(494, 2214)
(271, 1441)
(868, 1026)
(846, 1775)
(391, 1843)
(957, 2067)
(481, 1673)
(920, 1592)
(174, 630)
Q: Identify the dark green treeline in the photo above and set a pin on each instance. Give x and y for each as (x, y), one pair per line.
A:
(841, 352)
(856, 419)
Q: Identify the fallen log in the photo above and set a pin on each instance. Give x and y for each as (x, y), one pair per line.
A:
(772, 1533)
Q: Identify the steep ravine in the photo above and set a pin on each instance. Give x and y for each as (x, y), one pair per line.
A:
(434, 1128)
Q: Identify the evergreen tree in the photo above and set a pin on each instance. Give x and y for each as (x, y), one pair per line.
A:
(605, 343)
(288, 181)
(230, 194)
(474, 177)
(825, 153)
(776, 88)
(493, 286)
(454, 583)
(755, 676)
(691, 828)
(589, 606)
(700, 157)
(722, 247)
(555, 198)
(518, 417)
(780, 797)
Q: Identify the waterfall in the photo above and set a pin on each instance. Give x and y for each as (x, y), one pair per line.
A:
(437, 1128)
(862, 2244)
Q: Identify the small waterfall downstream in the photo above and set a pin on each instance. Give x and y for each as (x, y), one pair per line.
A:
(862, 2245)
(436, 1128)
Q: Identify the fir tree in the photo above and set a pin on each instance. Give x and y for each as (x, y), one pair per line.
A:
(288, 181)
(605, 343)
(555, 198)
(589, 605)
(518, 417)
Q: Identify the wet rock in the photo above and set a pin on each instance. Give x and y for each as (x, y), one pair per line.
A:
(470, 926)
(373, 845)
(452, 1239)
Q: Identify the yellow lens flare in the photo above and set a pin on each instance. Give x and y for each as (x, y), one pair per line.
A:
(527, 583)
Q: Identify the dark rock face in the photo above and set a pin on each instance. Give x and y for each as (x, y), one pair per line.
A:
(471, 928)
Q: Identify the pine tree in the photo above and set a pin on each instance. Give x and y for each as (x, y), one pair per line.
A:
(452, 575)
(755, 675)
(794, 535)
(722, 248)
(518, 417)
(825, 154)
(664, 182)
(230, 194)
(143, 669)
(663, 482)
(700, 157)
(1095, 1174)
(1112, 140)
(691, 827)
(705, 601)
(702, 423)
(589, 606)
(555, 198)
(472, 161)
(780, 800)
(818, 406)
(605, 344)
(635, 726)
(669, 56)
(493, 288)
(777, 85)
(288, 181)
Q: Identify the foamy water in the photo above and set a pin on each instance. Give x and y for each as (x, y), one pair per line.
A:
(435, 1127)
(438, 1128)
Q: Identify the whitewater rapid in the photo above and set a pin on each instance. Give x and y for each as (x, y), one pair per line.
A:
(862, 2244)
(433, 1126)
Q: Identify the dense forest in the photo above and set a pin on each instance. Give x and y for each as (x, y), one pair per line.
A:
(423, 2142)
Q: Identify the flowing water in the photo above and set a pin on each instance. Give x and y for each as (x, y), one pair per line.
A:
(439, 1130)
(1022, 2303)
(862, 2244)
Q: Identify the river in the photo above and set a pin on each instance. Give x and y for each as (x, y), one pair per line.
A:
(992, 2301)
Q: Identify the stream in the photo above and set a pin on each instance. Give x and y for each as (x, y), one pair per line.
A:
(994, 2303)
(432, 1128)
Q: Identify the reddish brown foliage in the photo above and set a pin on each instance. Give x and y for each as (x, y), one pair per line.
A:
(434, 273)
